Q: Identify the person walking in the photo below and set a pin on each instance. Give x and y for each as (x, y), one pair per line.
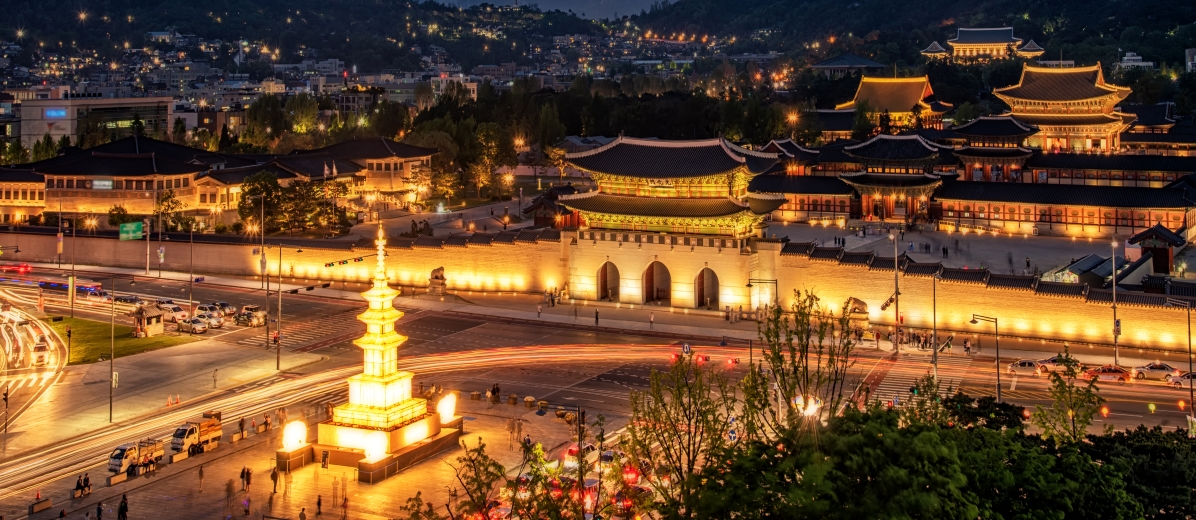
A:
(228, 493)
(244, 475)
(99, 511)
(518, 428)
(595, 317)
(345, 507)
(651, 320)
(248, 478)
(303, 514)
(539, 309)
(122, 511)
(319, 505)
(201, 478)
(274, 479)
(246, 504)
(510, 431)
(214, 378)
(241, 426)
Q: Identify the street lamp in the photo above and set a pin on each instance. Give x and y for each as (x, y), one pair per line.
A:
(278, 328)
(775, 288)
(1116, 323)
(934, 320)
(112, 345)
(976, 318)
(896, 298)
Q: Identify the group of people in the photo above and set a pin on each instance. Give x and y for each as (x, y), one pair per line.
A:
(122, 510)
(83, 485)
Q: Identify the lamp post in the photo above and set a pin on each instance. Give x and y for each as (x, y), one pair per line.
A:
(934, 322)
(896, 298)
(775, 288)
(976, 318)
(278, 328)
(1187, 305)
(112, 345)
(1116, 324)
(191, 282)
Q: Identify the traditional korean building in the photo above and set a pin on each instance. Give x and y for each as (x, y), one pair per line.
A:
(1073, 109)
(899, 97)
(845, 64)
(994, 150)
(983, 44)
(1158, 131)
(898, 175)
(388, 166)
(695, 187)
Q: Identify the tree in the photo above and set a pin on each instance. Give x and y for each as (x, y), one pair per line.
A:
(45, 148)
(477, 175)
(478, 476)
(424, 96)
(138, 125)
(556, 157)
(916, 124)
(549, 130)
(63, 143)
(167, 207)
(809, 127)
(388, 119)
(681, 418)
(862, 127)
(445, 175)
(964, 113)
(495, 149)
(1073, 405)
(302, 111)
(265, 118)
(262, 186)
(885, 122)
(300, 202)
(417, 509)
(118, 215)
(178, 134)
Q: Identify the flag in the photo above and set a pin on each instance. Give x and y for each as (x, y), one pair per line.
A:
(325, 170)
(334, 174)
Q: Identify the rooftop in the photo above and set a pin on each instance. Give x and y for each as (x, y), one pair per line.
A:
(897, 95)
(595, 202)
(1061, 84)
(650, 158)
(986, 36)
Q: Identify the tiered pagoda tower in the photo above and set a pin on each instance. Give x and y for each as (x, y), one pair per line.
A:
(1073, 109)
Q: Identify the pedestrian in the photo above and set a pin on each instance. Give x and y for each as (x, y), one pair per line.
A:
(246, 504)
(214, 377)
(86, 483)
(303, 514)
(651, 319)
(274, 479)
(241, 426)
(228, 493)
(595, 317)
(510, 431)
(201, 478)
(244, 475)
(62, 514)
(518, 428)
(319, 505)
(248, 478)
(345, 507)
(122, 511)
(489, 394)
(1027, 263)
(539, 309)
(99, 511)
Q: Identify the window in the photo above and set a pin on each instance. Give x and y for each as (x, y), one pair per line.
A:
(161, 185)
(203, 198)
(186, 182)
(70, 183)
(178, 183)
(41, 195)
(7, 194)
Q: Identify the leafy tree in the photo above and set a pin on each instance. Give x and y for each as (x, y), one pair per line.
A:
(45, 148)
(262, 186)
(64, 142)
(862, 127)
(417, 509)
(425, 97)
(1157, 465)
(302, 111)
(178, 134)
(478, 476)
(965, 113)
(388, 119)
(265, 118)
(809, 129)
(16, 153)
(118, 215)
(549, 130)
(1073, 405)
(495, 149)
(167, 208)
(445, 174)
(300, 202)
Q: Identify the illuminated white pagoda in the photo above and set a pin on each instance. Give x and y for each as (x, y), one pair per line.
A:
(382, 420)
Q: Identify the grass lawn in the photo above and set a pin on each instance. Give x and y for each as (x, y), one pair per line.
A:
(91, 339)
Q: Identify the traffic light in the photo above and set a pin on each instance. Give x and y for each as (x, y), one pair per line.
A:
(1104, 411)
(887, 303)
(889, 404)
(1151, 406)
(913, 390)
(1181, 405)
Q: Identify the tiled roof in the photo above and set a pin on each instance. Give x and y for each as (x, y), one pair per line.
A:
(1068, 119)
(833, 152)
(1031, 47)
(549, 235)
(846, 61)
(806, 184)
(164, 150)
(1134, 298)
(101, 164)
(885, 263)
(993, 152)
(836, 120)
(986, 35)
(595, 202)
(20, 175)
(934, 48)
(885, 147)
(670, 159)
(1012, 282)
(826, 254)
(1080, 161)
(861, 259)
(456, 241)
(1051, 84)
(764, 203)
(1160, 232)
(922, 270)
(995, 126)
(796, 151)
(897, 95)
(893, 180)
(505, 237)
(1151, 115)
(429, 243)
(235, 176)
(797, 249)
(966, 276)
(312, 165)
(361, 148)
(1155, 137)
(1063, 194)
(1060, 289)
(400, 242)
(481, 239)
(528, 236)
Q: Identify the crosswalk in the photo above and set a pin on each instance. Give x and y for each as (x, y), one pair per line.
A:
(896, 384)
(297, 335)
(27, 381)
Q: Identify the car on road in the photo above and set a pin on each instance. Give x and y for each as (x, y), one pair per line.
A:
(1160, 371)
(214, 321)
(1182, 381)
(1108, 373)
(1050, 364)
(98, 296)
(227, 308)
(251, 316)
(209, 308)
(171, 312)
(41, 352)
(193, 325)
(131, 299)
(571, 453)
(1025, 367)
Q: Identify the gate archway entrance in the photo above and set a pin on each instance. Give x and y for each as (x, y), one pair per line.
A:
(608, 282)
(706, 289)
(658, 284)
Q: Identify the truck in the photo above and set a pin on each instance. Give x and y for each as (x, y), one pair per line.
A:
(196, 436)
(137, 453)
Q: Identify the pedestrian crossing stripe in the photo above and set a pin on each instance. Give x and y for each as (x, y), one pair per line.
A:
(16, 383)
(896, 385)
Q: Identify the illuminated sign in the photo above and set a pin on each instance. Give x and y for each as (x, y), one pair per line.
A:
(101, 184)
(55, 113)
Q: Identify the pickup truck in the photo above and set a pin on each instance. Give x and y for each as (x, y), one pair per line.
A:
(195, 436)
(132, 454)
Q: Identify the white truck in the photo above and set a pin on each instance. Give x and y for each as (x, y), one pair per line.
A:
(132, 454)
(196, 436)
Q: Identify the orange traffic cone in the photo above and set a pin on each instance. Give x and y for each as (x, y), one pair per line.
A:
(176, 398)
(168, 400)
(39, 494)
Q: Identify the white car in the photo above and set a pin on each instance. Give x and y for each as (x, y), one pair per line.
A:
(214, 321)
(1181, 381)
(193, 325)
(171, 312)
(1050, 364)
(211, 309)
(1025, 367)
(1160, 371)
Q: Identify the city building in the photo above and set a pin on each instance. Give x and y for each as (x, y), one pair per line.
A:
(72, 113)
(1074, 109)
(388, 166)
(845, 64)
(983, 44)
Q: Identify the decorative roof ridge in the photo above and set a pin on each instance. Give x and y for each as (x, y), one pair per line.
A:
(934, 47)
(799, 147)
(851, 175)
(762, 196)
(1002, 117)
(736, 149)
(659, 143)
(1032, 45)
(934, 147)
(580, 195)
(1100, 77)
(910, 79)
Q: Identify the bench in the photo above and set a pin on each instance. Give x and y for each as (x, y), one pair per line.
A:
(40, 505)
(117, 478)
(80, 493)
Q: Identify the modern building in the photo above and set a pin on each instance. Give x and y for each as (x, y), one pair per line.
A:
(1074, 109)
(71, 114)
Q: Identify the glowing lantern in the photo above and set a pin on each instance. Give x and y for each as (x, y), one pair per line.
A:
(447, 407)
(294, 435)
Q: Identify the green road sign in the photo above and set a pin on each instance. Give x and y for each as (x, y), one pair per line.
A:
(130, 231)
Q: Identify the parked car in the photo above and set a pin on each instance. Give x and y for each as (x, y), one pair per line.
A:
(1160, 371)
(209, 308)
(1108, 373)
(1181, 381)
(130, 299)
(193, 325)
(214, 321)
(164, 301)
(1025, 367)
(171, 312)
(227, 308)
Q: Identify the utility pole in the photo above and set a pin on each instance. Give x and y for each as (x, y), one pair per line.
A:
(1116, 324)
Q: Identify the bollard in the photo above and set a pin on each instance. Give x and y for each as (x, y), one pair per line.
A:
(529, 401)
(512, 399)
(543, 405)
(475, 396)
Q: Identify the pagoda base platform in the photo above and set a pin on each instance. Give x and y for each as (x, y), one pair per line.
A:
(377, 471)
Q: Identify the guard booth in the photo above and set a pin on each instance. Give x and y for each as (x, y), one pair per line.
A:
(147, 322)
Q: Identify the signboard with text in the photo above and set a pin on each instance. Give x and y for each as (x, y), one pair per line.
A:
(130, 231)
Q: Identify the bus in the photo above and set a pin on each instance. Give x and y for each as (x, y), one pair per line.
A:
(84, 288)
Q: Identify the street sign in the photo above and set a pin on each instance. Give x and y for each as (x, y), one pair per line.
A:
(60, 243)
(1117, 327)
(685, 348)
(161, 254)
(732, 435)
(115, 379)
(130, 231)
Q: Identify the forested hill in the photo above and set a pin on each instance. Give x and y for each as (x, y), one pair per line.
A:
(372, 34)
(1085, 30)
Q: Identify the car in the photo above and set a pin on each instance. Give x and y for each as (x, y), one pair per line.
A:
(1183, 380)
(1025, 367)
(171, 312)
(131, 299)
(1160, 371)
(214, 321)
(1050, 364)
(1108, 373)
(98, 296)
(164, 301)
(226, 308)
(251, 316)
(41, 351)
(212, 309)
(571, 453)
(193, 325)
(624, 500)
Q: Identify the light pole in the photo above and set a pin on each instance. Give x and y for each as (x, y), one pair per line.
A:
(112, 346)
(191, 282)
(1187, 305)
(775, 288)
(896, 298)
(278, 328)
(1116, 324)
(934, 321)
(976, 318)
